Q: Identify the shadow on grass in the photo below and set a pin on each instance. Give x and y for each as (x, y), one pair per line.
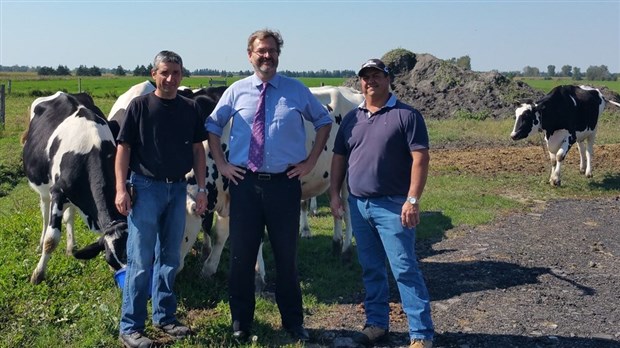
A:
(610, 182)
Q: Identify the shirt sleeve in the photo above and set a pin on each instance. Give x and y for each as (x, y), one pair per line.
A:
(128, 131)
(315, 112)
(222, 113)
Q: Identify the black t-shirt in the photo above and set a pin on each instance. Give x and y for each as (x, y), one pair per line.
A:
(161, 133)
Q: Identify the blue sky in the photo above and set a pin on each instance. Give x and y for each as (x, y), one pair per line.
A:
(331, 34)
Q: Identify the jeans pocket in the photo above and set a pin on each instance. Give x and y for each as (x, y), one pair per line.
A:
(140, 181)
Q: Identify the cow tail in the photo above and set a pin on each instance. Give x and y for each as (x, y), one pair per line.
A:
(24, 136)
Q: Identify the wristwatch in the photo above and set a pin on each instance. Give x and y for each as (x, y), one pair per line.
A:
(412, 200)
(202, 190)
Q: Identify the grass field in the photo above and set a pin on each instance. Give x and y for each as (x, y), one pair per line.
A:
(113, 86)
(78, 304)
(547, 85)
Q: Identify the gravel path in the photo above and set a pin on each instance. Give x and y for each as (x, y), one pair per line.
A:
(547, 278)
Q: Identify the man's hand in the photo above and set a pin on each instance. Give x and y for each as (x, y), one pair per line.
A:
(410, 215)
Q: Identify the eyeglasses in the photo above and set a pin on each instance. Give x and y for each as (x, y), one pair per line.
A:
(263, 52)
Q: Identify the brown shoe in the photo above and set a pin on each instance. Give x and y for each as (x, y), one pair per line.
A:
(421, 344)
(371, 334)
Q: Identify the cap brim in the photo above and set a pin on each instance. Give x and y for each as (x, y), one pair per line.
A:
(359, 73)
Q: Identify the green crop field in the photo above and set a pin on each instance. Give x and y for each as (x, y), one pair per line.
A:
(113, 86)
(547, 85)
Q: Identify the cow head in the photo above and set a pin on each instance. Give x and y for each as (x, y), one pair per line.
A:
(113, 242)
(527, 121)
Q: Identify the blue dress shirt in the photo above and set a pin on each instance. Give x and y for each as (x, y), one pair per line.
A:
(287, 104)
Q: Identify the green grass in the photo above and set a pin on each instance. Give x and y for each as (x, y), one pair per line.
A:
(78, 305)
(112, 86)
(547, 85)
(497, 132)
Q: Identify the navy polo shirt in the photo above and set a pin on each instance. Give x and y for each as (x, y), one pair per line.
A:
(378, 148)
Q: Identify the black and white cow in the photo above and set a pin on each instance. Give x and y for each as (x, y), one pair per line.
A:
(68, 158)
(566, 115)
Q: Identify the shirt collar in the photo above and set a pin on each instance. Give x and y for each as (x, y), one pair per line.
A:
(274, 82)
(391, 102)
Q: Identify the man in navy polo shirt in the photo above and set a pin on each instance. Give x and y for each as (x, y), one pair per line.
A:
(382, 147)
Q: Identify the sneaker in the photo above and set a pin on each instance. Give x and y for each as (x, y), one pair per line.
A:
(135, 340)
(371, 334)
(421, 344)
(175, 329)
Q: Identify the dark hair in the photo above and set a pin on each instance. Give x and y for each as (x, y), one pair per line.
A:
(264, 34)
(166, 57)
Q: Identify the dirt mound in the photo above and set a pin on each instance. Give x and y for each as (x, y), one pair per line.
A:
(440, 89)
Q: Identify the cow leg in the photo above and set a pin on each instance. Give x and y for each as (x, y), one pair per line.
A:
(556, 165)
(303, 219)
(50, 241)
(207, 224)
(341, 242)
(69, 220)
(192, 227)
(259, 278)
(222, 232)
(347, 248)
(314, 206)
(44, 204)
(589, 155)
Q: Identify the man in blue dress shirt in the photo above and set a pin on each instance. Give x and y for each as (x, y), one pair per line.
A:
(268, 196)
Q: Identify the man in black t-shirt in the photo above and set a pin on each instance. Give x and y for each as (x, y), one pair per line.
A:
(160, 141)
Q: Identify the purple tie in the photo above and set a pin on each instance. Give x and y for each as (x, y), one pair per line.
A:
(257, 142)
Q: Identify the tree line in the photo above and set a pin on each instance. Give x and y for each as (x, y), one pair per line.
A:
(593, 73)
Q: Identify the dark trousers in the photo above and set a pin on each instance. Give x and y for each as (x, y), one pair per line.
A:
(259, 201)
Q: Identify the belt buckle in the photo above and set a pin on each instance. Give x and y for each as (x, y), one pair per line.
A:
(264, 176)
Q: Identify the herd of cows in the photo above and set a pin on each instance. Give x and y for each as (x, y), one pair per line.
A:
(69, 150)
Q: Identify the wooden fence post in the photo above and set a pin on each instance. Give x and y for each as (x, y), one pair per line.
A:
(79, 85)
(9, 87)
(2, 109)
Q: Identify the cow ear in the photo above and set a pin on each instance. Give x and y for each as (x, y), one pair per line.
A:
(89, 251)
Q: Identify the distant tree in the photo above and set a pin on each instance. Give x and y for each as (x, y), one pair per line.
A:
(46, 71)
(141, 71)
(598, 73)
(62, 70)
(94, 71)
(577, 74)
(17, 68)
(529, 71)
(464, 62)
(82, 70)
(119, 71)
(551, 70)
(566, 70)
(186, 73)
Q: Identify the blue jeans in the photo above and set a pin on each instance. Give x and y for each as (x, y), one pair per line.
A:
(379, 233)
(156, 224)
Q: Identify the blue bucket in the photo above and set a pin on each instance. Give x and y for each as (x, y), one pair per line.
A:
(119, 278)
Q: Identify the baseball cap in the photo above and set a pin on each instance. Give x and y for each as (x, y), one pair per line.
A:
(374, 64)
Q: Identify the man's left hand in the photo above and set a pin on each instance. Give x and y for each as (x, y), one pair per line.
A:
(410, 215)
